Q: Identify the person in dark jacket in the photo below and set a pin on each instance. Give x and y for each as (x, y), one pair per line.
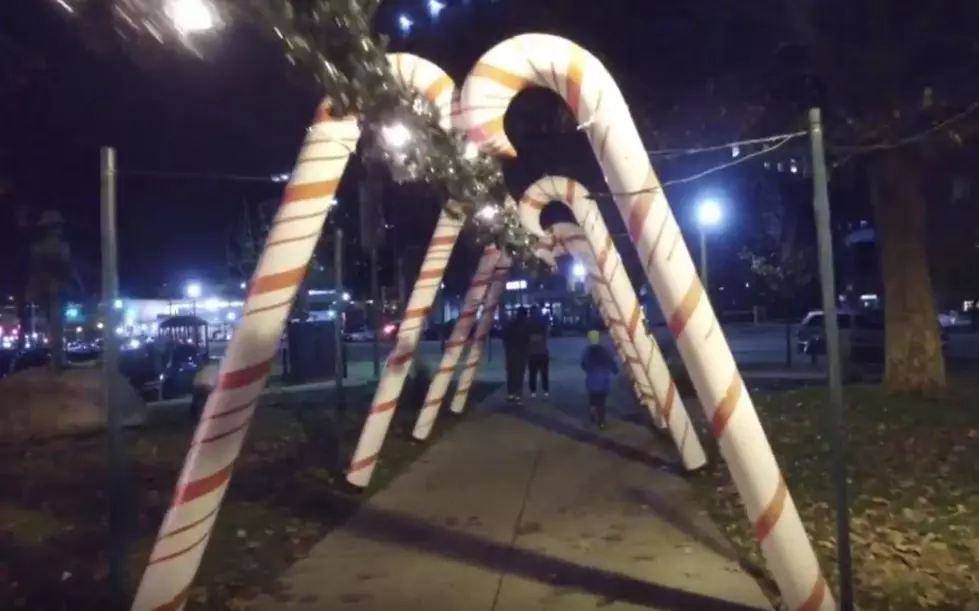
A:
(599, 367)
(515, 354)
(538, 357)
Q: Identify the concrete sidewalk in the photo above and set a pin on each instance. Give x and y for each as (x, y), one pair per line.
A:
(527, 509)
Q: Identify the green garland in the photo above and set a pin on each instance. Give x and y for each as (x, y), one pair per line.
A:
(332, 41)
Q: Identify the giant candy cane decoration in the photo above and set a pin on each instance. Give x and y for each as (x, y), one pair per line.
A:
(597, 103)
(438, 87)
(475, 344)
(221, 431)
(623, 299)
(598, 240)
(458, 339)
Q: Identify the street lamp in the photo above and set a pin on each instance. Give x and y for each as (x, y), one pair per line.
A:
(709, 214)
(193, 292)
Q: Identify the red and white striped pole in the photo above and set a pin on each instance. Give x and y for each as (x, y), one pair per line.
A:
(483, 331)
(458, 340)
(594, 98)
(217, 441)
(619, 292)
(438, 87)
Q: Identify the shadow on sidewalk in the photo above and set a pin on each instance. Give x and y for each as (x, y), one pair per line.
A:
(426, 537)
(576, 433)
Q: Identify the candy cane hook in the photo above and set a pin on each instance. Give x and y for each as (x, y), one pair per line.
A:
(593, 96)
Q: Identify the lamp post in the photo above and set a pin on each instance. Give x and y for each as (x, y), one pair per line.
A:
(709, 214)
(193, 292)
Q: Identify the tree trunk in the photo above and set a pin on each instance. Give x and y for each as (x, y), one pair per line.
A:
(56, 330)
(913, 359)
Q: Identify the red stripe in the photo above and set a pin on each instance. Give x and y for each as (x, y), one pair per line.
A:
(269, 308)
(445, 240)
(198, 488)
(300, 238)
(380, 408)
(363, 463)
(225, 434)
(244, 377)
(177, 602)
(181, 552)
(277, 281)
(232, 411)
(187, 527)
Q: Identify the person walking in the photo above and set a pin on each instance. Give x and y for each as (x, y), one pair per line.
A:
(538, 357)
(599, 367)
(515, 354)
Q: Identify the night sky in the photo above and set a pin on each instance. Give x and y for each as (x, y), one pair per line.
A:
(242, 112)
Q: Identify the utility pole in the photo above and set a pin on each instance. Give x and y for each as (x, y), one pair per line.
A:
(824, 237)
(371, 236)
(339, 367)
(110, 370)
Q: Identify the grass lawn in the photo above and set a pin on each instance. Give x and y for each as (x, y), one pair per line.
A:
(914, 491)
(284, 497)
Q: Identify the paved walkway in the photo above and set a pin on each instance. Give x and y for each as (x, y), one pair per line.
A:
(527, 509)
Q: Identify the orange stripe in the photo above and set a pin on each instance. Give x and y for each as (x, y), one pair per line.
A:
(536, 204)
(689, 303)
(244, 377)
(569, 192)
(278, 281)
(437, 88)
(815, 600)
(488, 132)
(634, 319)
(363, 463)
(513, 82)
(444, 240)
(725, 409)
(606, 251)
(268, 308)
(642, 205)
(416, 313)
(387, 406)
(198, 488)
(297, 218)
(310, 190)
(431, 274)
(670, 400)
(396, 360)
(575, 77)
(769, 518)
(299, 238)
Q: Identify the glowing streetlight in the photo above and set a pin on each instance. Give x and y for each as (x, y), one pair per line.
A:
(193, 292)
(709, 214)
(191, 16)
(396, 135)
(578, 271)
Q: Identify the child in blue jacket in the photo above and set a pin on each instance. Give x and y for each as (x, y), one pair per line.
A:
(599, 366)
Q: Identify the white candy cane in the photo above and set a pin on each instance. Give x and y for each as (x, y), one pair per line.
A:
(599, 107)
(306, 203)
(483, 331)
(437, 86)
(458, 340)
(596, 238)
(623, 298)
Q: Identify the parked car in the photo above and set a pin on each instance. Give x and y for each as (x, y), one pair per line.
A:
(866, 334)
